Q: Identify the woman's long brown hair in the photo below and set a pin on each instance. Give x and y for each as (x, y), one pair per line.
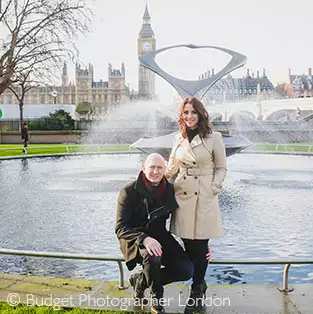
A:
(204, 125)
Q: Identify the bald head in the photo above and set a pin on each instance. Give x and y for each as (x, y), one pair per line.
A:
(154, 168)
(154, 157)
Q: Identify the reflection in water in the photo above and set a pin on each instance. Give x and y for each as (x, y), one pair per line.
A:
(69, 204)
(226, 274)
(24, 172)
(24, 163)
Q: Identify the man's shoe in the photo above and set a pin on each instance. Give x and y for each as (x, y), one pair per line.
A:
(196, 303)
(157, 309)
(156, 302)
(138, 282)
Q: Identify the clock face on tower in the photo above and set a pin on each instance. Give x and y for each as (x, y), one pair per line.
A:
(146, 46)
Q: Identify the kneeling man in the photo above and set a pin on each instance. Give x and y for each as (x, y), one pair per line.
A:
(142, 210)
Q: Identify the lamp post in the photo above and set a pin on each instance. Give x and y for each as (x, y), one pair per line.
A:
(225, 105)
(54, 94)
(258, 102)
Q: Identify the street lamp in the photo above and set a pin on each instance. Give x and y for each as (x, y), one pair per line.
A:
(258, 102)
(54, 94)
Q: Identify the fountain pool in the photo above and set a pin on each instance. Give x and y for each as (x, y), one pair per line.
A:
(68, 205)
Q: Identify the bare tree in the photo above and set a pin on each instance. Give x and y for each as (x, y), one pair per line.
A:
(38, 33)
(34, 76)
(22, 85)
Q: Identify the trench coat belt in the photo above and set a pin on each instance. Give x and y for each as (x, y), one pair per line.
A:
(193, 171)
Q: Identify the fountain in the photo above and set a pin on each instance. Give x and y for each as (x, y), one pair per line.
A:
(76, 194)
(163, 144)
(52, 204)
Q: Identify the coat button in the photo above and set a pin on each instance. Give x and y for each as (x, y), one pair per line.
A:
(185, 193)
(196, 193)
(196, 178)
(184, 177)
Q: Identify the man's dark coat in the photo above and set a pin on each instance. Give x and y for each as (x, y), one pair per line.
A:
(25, 134)
(139, 216)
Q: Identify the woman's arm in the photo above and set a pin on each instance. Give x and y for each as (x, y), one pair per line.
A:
(219, 155)
(173, 163)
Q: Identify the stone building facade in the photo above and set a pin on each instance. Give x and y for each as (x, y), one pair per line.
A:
(98, 95)
(298, 85)
(231, 89)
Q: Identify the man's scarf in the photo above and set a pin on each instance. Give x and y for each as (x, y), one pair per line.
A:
(157, 191)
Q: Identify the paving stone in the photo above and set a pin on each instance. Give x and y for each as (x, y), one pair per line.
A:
(237, 298)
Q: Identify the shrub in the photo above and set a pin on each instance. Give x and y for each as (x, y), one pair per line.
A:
(59, 120)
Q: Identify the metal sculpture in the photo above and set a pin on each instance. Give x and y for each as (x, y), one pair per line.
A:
(163, 144)
(192, 88)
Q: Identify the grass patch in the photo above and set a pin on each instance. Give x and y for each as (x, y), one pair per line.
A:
(284, 148)
(33, 149)
(7, 309)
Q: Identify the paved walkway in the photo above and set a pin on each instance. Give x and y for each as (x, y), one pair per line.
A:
(106, 295)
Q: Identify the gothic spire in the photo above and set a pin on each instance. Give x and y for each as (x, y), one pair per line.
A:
(146, 29)
(146, 15)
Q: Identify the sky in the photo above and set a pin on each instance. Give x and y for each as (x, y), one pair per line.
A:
(273, 34)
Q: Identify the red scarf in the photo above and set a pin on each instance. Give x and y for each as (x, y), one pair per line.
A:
(157, 191)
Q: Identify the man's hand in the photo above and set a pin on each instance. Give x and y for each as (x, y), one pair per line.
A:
(153, 246)
(208, 255)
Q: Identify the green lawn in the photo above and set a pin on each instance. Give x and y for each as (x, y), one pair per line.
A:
(6, 309)
(16, 150)
(301, 147)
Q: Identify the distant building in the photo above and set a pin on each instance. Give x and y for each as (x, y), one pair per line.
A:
(146, 42)
(234, 89)
(100, 94)
(97, 96)
(299, 85)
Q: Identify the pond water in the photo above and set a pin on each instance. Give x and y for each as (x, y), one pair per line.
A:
(69, 204)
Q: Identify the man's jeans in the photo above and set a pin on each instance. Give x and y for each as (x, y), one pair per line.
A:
(176, 265)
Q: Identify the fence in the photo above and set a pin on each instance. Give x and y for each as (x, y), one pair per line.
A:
(119, 261)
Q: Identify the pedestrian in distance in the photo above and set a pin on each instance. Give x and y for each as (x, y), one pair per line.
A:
(25, 137)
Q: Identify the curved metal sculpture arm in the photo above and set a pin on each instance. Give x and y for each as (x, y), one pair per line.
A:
(192, 88)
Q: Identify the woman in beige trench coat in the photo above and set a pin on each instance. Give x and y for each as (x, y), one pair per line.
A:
(198, 155)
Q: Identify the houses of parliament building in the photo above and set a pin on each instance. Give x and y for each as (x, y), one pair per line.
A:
(86, 91)
(92, 98)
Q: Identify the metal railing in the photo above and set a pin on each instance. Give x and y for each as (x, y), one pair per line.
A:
(119, 260)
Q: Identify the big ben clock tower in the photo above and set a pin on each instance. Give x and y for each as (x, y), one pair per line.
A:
(146, 43)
